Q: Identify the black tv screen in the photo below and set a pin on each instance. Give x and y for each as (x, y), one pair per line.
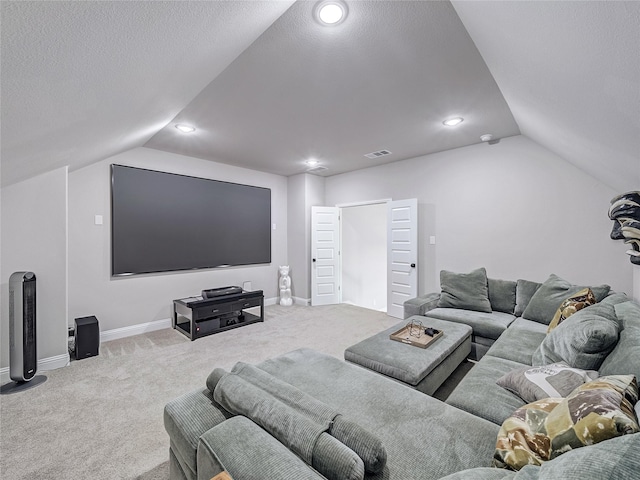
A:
(164, 222)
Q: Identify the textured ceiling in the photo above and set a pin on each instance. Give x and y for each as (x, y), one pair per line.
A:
(267, 86)
(84, 80)
(385, 78)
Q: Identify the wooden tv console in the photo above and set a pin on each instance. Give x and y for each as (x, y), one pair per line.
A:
(196, 317)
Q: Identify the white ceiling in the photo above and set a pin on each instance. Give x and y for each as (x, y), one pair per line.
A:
(570, 72)
(268, 87)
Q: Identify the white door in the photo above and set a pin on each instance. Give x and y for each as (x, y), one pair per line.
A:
(325, 256)
(402, 254)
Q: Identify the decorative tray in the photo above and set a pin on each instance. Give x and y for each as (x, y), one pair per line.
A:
(414, 334)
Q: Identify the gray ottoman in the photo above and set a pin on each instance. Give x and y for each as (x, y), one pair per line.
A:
(423, 369)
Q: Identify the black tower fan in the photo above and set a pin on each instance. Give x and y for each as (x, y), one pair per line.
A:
(23, 355)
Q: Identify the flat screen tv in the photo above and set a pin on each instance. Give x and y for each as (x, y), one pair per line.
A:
(163, 222)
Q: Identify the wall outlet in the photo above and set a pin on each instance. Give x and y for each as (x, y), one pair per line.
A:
(246, 286)
(97, 220)
(432, 240)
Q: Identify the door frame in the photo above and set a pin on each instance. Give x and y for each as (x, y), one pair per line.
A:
(340, 206)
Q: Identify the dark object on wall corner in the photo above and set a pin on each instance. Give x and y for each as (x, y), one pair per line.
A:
(625, 213)
(23, 356)
(87, 337)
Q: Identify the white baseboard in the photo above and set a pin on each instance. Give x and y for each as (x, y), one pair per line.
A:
(44, 364)
(123, 332)
(296, 300)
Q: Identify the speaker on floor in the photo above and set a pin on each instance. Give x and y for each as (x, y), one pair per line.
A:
(87, 337)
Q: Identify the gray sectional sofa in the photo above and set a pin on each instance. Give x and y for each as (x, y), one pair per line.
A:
(419, 436)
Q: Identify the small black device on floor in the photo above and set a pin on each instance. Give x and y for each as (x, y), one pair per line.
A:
(87, 337)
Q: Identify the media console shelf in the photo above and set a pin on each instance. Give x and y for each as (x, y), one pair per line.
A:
(197, 317)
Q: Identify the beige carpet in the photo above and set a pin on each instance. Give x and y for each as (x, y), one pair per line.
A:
(101, 418)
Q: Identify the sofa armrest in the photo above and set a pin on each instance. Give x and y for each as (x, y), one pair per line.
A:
(245, 451)
(421, 305)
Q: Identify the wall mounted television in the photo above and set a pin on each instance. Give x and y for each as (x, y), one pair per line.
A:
(162, 222)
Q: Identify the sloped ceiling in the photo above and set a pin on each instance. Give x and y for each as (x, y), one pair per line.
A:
(85, 80)
(268, 87)
(385, 78)
(570, 72)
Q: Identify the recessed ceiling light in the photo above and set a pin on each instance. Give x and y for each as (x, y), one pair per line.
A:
(486, 137)
(312, 162)
(331, 12)
(185, 128)
(452, 122)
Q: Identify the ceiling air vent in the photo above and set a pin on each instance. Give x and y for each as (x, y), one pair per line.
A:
(317, 168)
(379, 153)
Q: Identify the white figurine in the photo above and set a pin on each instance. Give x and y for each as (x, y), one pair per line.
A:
(285, 286)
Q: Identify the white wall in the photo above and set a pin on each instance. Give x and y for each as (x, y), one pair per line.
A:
(364, 256)
(515, 208)
(34, 238)
(126, 301)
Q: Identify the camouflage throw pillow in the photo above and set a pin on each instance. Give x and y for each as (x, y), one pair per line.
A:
(571, 305)
(522, 439)
(595, 411)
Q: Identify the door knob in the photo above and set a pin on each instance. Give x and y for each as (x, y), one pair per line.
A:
(314, 260)
(413, 265)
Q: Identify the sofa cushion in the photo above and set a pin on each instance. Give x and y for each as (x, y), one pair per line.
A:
(536, 383)
(186, 418)
(571, 305)
(502, 295)
(482, 473)
(525, 289)
(613, 459)
(466, 291)
(582, 341)
(625, 357)
(551, 294)
(477, 392)
(404, 419)
(488, 325)
(228, 444)
(518, 342)
(293, 417)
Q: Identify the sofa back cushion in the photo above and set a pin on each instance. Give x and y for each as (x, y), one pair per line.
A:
(625, 357)
(548, 298)
(582, 341)
(467, 291)
(502, 295)
(525, 289)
